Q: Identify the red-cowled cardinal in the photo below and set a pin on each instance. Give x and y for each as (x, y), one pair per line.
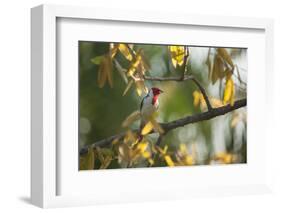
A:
(149, 106)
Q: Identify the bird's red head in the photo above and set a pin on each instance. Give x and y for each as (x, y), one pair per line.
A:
(156, 91)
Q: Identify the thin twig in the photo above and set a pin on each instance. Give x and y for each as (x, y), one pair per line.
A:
(185, 78)
(239, 76)
(186, 55)
(132, 52)
(210, 108)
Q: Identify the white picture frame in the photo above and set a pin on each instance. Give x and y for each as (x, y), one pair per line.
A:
(45, 178)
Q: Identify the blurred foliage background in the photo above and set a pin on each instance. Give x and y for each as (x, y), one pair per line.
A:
(102, 109)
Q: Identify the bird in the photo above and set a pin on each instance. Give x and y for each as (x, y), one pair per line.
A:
(149, 105)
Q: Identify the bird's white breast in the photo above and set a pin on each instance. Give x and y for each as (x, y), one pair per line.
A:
(148, 108)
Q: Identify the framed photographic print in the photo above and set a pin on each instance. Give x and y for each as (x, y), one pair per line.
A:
(137, 106)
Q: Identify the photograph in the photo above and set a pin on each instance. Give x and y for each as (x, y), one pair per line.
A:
(161, 105)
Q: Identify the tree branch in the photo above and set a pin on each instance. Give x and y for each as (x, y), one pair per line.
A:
(204, 116)
(186, 55)
(174, 124)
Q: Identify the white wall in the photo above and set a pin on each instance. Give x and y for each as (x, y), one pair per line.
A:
(15, 104)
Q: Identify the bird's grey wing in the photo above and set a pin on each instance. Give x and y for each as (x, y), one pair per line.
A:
(141, 105)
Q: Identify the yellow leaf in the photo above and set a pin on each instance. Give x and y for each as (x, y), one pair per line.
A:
(177, 55)
(153, 148)
(131, 118)
(183, 148)
(234, 121)
(131, 70)
(128, 87)
(151, 161)
(101, 74)
(229, 91)
(139, 151)
(113, 49)
(100, 155)
(196, 98)
(218, 69)
(134, 65)
(108, 69)
(104, 156)
(123, 48)
(209, 63)
(129, 137)
(237, 117)
(228, 159)
(105, 72)
(147, 128)
(89, 160)
(160, 150)
(165, 149)
(82, 163)
(106, 162)
(216, 102)
(142, 146)
(124, 153)
(146, 154)
(115, 141)
(134, 143)
(169, 161)
(225, 157)
(140, 87)
(189, 160)
(224, 54)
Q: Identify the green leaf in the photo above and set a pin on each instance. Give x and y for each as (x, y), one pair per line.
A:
(224, 54)
(134, 116)
(128, 87)
(97, 60)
